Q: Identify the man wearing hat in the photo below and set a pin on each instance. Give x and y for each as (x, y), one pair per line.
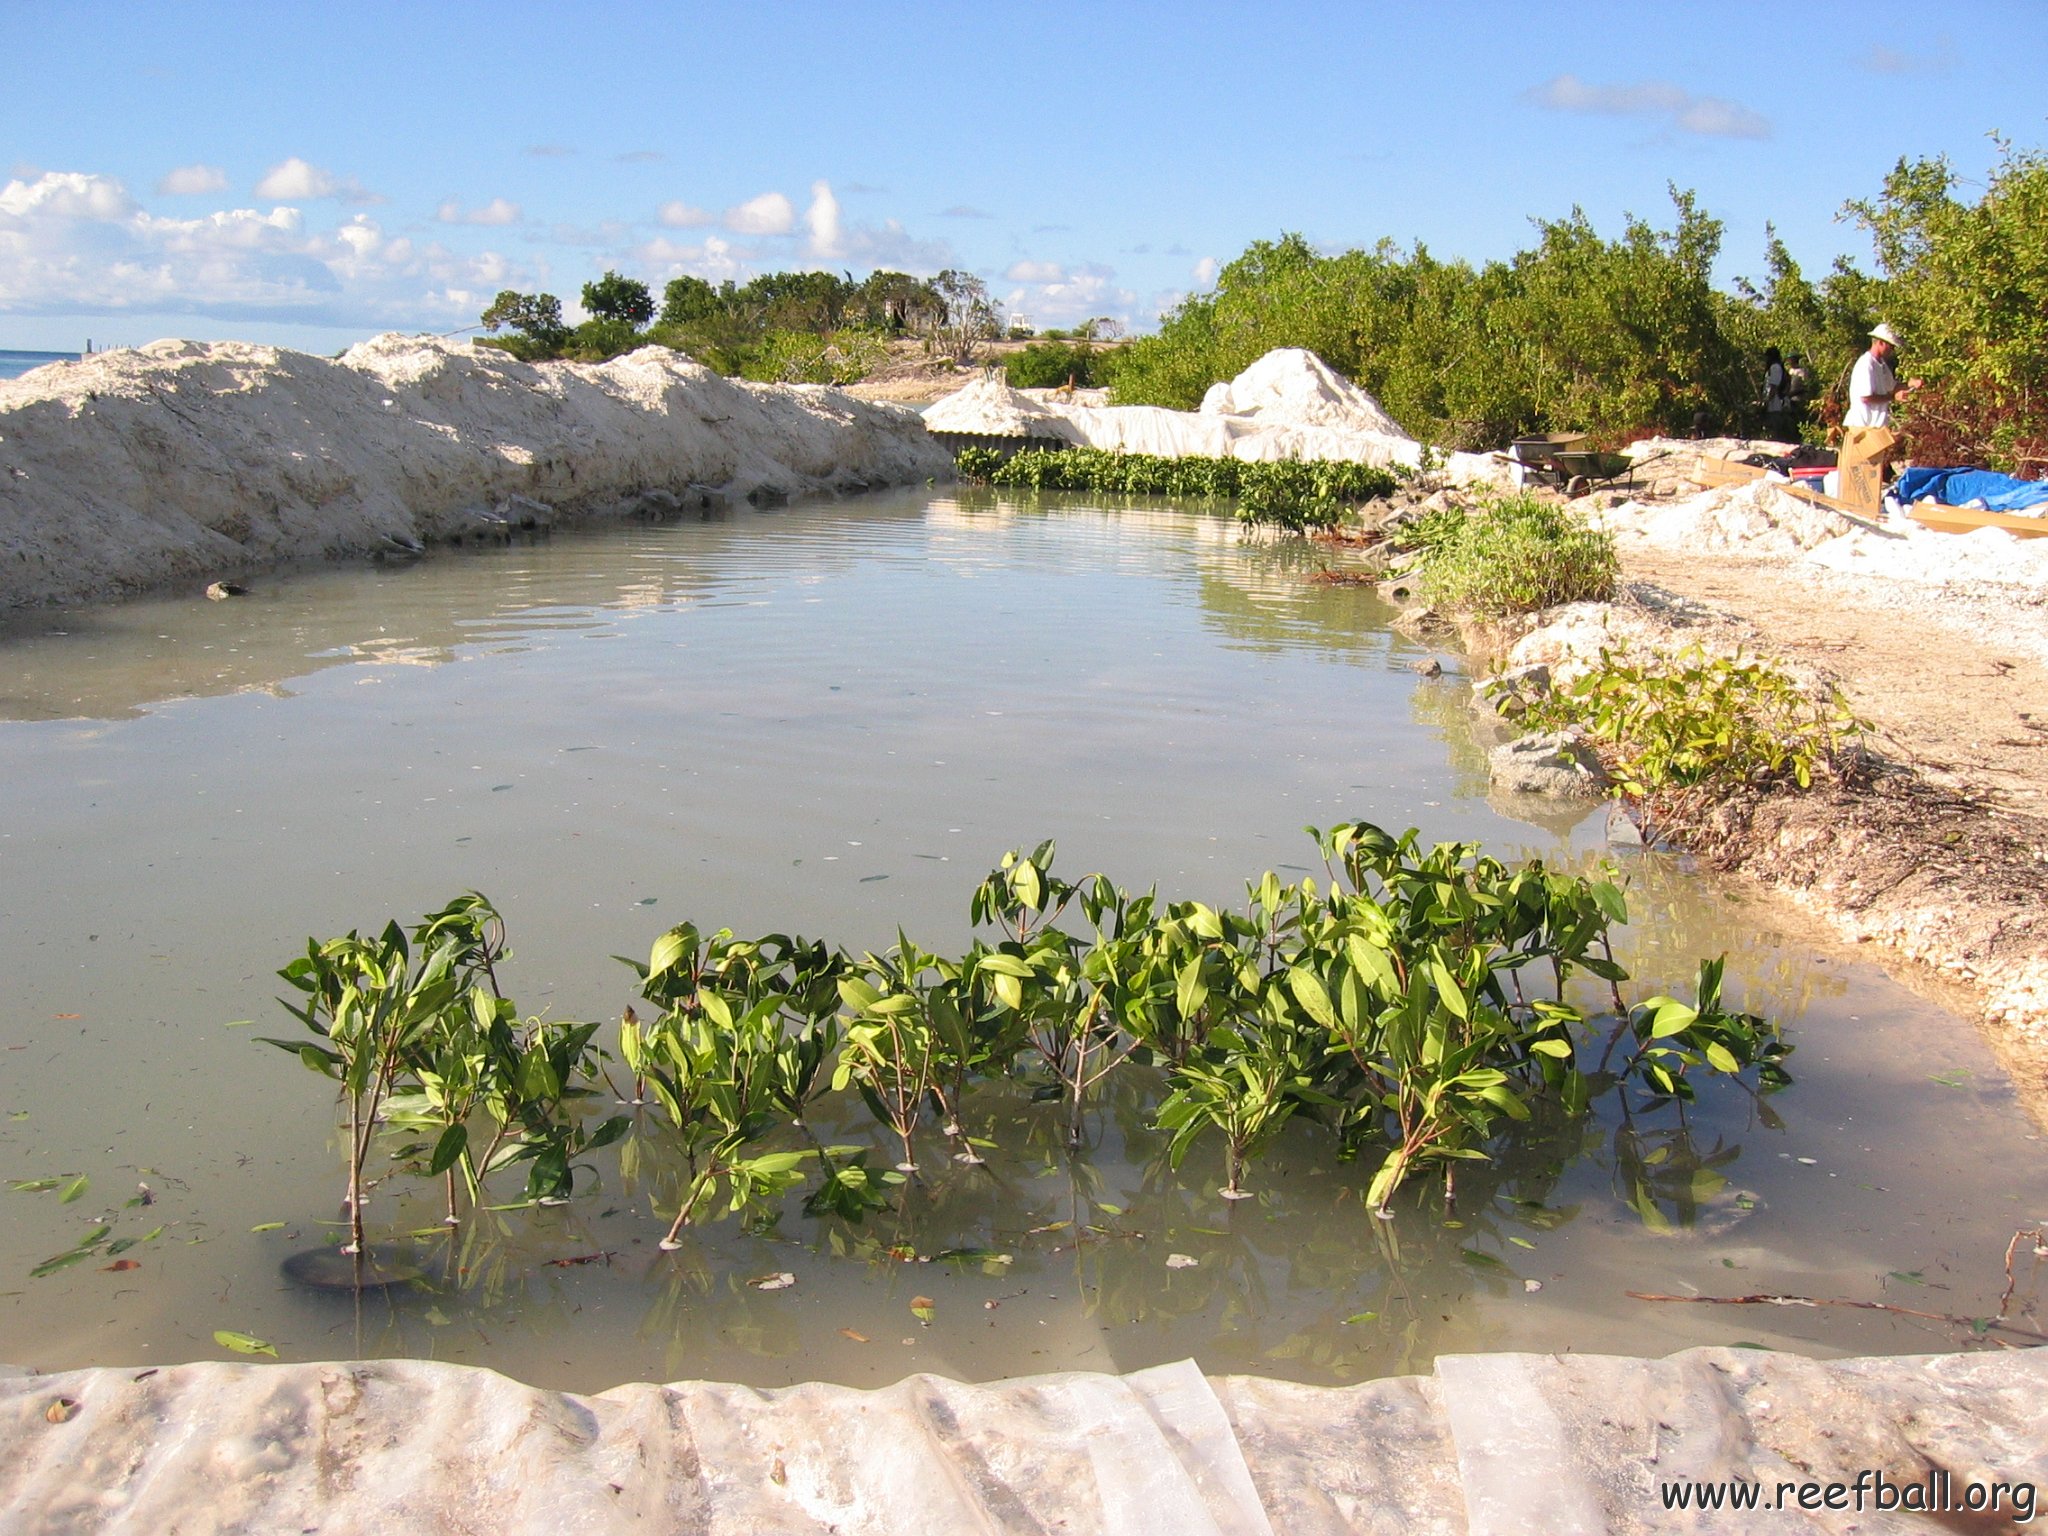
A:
(1872, 384)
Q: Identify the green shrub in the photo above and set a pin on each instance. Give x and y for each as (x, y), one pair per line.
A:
(1415, 1004)
(1290, 495)
(1051, 364)
(977, 464)
(1516, 554)
(1673, 722)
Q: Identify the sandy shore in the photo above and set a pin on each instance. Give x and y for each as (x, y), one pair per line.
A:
(1934, 855)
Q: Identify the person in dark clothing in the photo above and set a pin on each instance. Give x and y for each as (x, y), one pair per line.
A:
(1777, 400)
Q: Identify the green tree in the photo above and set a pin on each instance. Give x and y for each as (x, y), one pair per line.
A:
(1966, 285)
(537, 317)
(687, 300)
(613, 297)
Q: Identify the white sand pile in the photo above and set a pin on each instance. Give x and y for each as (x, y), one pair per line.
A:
(1291, 387)
(183, 460)
(991, 408)
(1757, 517)
(1287, 405)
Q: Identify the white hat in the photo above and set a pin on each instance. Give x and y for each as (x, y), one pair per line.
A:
(1886, 333)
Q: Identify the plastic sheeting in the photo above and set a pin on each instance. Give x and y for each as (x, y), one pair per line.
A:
(1974, 488)
(413, 1446)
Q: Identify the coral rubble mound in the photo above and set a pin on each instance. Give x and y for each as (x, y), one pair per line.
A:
(1287, 405)
(181, 460)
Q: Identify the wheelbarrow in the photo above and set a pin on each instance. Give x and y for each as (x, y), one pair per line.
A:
(1563, 459)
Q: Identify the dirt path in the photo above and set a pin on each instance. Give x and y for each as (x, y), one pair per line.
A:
(1937, 856)
(1961, 697)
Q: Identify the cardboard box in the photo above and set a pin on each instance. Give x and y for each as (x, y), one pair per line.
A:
(1862, 461)
(1864, 451)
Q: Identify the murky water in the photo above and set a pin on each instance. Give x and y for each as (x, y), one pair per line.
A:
(833, 719)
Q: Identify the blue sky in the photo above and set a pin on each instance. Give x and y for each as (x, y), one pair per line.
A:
(310, 175)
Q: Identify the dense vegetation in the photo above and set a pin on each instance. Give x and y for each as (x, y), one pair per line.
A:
(1613, 336)
(781, 327)
(1581, 331)
(1055, 364)
(1414, 1006)
(1966, 284)
(1286, 494)
(1509, 554)
(1623, 335)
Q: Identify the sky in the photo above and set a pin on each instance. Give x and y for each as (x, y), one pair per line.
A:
(308, 175)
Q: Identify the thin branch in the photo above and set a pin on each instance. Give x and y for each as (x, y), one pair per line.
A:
(1978, 1325)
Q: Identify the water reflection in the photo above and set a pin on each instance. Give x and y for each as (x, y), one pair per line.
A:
(832, 719)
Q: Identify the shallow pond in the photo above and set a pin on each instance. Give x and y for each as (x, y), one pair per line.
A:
(832, 719)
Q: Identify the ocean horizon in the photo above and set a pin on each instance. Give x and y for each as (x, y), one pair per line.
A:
(15, 361)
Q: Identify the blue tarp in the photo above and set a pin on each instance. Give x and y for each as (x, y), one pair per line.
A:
(1971, 487)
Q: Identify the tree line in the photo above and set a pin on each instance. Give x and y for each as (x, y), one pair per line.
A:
(1619, 336)
(1629, 335)
(780, 327)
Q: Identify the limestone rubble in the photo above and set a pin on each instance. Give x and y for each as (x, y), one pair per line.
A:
(181, 461)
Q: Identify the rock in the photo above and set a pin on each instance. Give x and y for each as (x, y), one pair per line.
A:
(1551, 763)
(1622, 831)
(221, 591)
(1510, 694)
(1429, 668)
(1423, 621)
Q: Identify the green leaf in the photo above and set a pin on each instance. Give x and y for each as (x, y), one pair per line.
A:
(1671, 1018)
(63, 1260)
(447, 1149)
(668, 949)
(267, 1226)
(242, 1343)
(33, 1186)
(1314, 998)
(74, 1189)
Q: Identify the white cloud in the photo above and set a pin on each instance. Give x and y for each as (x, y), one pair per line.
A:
(1036, 272)
(769, 214)
(822, 219)
(965, 211)
(1077, 294)
(714, 260)
(1205, 271)
(193, 180)
(682, 215)
(297, 180)
(889, 244)
(497, 211)
(66, 195)
(1709, 116)
(72, 243)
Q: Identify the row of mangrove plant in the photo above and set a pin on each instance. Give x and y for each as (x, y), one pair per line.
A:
(1290, 494)
(1414, 1004)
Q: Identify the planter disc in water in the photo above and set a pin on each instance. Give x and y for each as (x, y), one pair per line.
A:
(329, 1269)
